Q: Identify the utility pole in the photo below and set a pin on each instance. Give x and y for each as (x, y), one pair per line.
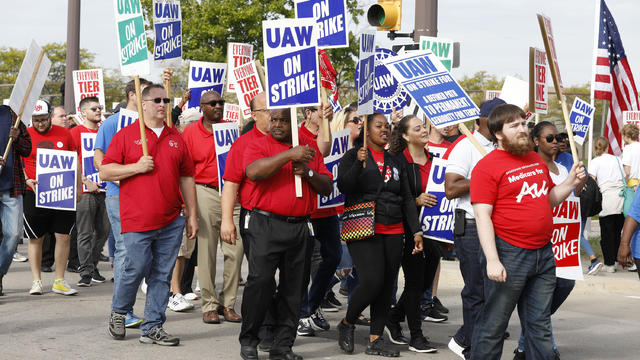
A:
(426, 23)
(73, 52)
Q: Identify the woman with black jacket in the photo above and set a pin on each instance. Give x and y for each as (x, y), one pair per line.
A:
(383, 180)
(408, 141)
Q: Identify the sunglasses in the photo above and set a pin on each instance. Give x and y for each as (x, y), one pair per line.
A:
(95, 108)
(159, 100)
(356, 120)
(549, 138)
(214, 103)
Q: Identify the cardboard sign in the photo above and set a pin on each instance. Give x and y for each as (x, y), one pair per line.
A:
(247, 84)
(366, 75)
(125, 118)
(56, 176)
(88, 141)
(167, 26)
(339, 145)
(515, 91)
(580, 116)
(19, 93)
(330, 19)
(87, 83)
(433, 88)
(387, 93)
(132, 40)
(631, 117)
(231, 113)
(437, 222)
(538, 94)
(114, 105)
(237, 54)
(224, 134)
(441, 47)
(566, 238)
(291, 62)
(203, 77)
(491, 94)
(552, 55)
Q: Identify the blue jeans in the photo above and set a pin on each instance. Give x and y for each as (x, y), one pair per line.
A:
(531, 280)
(560, 294)
(151, 254)
(584, 243)
(11, 218)
(111, 244)
(120, 252)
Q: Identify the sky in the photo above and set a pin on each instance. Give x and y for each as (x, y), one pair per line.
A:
(495, 35)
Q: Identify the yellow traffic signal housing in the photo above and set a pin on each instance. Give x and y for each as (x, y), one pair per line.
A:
(385, 15)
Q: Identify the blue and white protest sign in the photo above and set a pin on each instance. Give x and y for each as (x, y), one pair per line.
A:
(433, 88)
(339, 146)
(330, 16)
(366, 75)
(291, 62)
(56, 175)
(224, 134)
(125, 118)
(580, 117)
(88, 141)
(387, 93)
(132, 39)
(203, 77)
(437, 221)
(167, 26)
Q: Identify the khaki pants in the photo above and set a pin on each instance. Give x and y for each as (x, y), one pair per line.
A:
(209, 218)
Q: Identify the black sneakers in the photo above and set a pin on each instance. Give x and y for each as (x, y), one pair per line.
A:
(96, 277)
(85, 281)
(421, 345)
(305, 328)
(394, 331)
(331, 298)
(345, 337)
(378, 347)
(116, 325)
(157, 335)
(438, 306)
(518, 355)
(318, 322)
(430, 314)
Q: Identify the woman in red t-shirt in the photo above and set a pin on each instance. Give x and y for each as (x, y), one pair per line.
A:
(383, 180)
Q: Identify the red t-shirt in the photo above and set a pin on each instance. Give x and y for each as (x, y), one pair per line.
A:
(424, 169)
(277, 193)
(234, 168)
(518, 188)
(201, 145)
(57, 138)
(397, 228)
(311, 139)
(152, 200)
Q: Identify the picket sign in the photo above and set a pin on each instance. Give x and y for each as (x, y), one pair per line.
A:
(167, 26)
(565, 238)
(205, 76)
(231, 113)
(132, 39)
(581, 118)
(437, 221)
(631, 117)
(366, 75)
(56, 172)
(247, 85)
(538, 93)
(238, 54)
(87, 145)
(339, 146)
(88, 83)
(331, 22)
(387, 93)
(224, 135)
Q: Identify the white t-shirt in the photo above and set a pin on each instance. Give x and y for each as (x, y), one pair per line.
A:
(158, 131)
(462, 159)
(606, 168)
(631, 157)
(562, 175)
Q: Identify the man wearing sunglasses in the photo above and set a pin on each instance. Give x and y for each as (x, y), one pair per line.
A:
(152, 190)
(200, 142)
(92, 212)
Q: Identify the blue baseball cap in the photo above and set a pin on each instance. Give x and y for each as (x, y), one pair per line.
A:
(488, 106)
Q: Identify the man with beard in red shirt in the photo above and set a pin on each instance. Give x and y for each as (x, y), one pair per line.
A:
(512, 195)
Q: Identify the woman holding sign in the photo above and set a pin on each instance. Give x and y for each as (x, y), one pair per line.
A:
(383, 187)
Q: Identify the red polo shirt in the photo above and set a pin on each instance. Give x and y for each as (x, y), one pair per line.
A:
(307, 137)
(277, 194)
(152, 200)
(57, 138)
(234, 168)
(201, 145)
(77, 138)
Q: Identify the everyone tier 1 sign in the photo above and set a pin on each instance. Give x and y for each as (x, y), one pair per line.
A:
(88, 83)
(237, 54)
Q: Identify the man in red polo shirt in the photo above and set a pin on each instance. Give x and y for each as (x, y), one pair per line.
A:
(199, 139)
(152, 189)
(278, 230)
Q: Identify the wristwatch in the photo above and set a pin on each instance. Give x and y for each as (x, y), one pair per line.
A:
(310, 173)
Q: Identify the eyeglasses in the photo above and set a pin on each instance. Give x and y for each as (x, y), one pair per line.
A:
(258, 110)
(549, 138)
(159, 100)
(356, 120)
(213, 103)
(95, 108)
(40, 120)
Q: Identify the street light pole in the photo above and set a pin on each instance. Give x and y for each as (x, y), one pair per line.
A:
(426, 23)
(73, 52)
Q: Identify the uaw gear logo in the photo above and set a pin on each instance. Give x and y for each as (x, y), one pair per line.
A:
(532, 191)
(173, 143)
(387, 93)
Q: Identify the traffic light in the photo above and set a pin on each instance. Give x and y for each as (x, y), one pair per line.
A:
(385, 15)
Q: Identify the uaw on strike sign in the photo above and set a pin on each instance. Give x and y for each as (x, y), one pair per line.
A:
(56, 176)
(437, 221)
(167, 25)
(566, 238)
(339, 146)
(224, 134)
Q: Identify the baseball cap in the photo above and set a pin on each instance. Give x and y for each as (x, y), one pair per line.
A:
(41, 108)
(488, 106)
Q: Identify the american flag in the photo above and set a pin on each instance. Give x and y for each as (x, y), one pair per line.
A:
(613, 78)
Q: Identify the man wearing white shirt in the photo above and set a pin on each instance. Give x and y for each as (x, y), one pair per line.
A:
(461, 161)
(631, 154)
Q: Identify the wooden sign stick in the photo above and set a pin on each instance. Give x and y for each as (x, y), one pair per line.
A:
(143, 136)
(24, 102)
(167, 87)
(261, 74)
(326, 132)
(295, 141)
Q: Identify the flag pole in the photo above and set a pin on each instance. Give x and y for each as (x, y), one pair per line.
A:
(596, 30)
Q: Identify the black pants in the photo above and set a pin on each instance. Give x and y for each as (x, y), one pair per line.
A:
(274, 244)
(610, 231)
(186, 282)
(377, 260)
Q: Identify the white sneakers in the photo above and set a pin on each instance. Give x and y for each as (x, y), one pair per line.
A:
(191, 296)
(178, 303)
(36, 288)
(17, 257)
(456, 348)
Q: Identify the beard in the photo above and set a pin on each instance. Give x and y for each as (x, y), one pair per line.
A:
(519, 146)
